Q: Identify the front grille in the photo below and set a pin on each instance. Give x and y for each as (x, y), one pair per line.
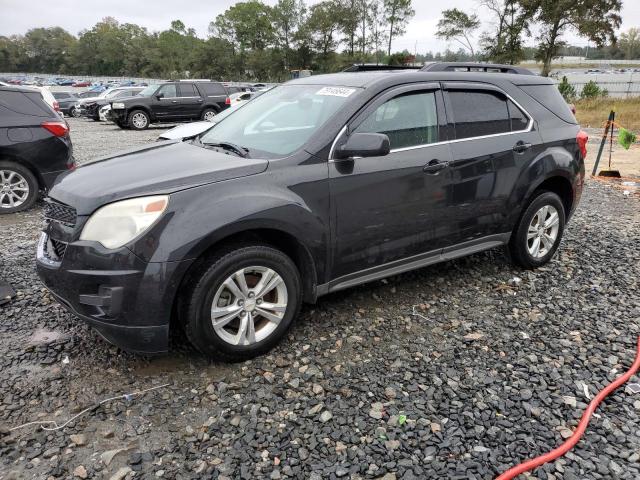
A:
(59, 212)
(59, 248)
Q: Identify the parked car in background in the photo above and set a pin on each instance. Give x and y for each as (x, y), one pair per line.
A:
(319, 185)
(81, 83)
(67, 102)
(88, 94)
(88, 106)
(191, 129)
(170, 102)
(35, 147)
(91, 108)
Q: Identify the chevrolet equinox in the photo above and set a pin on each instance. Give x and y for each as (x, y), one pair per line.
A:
(318, 185)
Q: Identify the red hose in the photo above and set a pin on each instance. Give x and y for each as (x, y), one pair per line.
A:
(577, 434)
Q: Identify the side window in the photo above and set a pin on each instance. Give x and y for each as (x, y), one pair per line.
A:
(478, 113)
(519, 121)
(168, 90)
(188, 90)
(124, 93)
(408, 120)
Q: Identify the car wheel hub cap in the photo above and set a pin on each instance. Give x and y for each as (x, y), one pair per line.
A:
(249, 305)
(14, 189)
(543, 231)
(139, 120)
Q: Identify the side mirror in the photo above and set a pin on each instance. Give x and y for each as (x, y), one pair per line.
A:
(364, 145)
(159, 95)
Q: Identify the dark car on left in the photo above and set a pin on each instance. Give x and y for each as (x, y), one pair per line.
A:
(68, 103)
(35, 148)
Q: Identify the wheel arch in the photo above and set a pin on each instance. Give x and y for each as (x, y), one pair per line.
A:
(26, 164)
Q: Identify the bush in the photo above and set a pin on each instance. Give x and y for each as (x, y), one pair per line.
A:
(567, 90)
(592, 90)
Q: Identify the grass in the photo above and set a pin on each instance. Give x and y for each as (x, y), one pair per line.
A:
(594, 112)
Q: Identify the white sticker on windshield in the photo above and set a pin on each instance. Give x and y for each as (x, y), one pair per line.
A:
(336, 91)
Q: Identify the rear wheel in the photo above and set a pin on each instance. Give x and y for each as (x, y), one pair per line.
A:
(538, 234)
(74, 112)
(18, 188)
(208, 114)
(139, 120)
(243, 302)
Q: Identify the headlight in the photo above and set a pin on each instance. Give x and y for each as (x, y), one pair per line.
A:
(118, 223)
(117, 106)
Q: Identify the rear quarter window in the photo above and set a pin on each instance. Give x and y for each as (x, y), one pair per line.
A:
(549, 97)
(25, 103)
(212, 89)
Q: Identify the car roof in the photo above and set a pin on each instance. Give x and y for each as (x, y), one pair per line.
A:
(397, 77)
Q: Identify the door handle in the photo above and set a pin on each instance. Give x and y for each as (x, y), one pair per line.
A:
(174, 101)
(521, 147)
(434, 166)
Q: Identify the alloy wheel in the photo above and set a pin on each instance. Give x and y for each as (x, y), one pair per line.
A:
(249, 305)
(139, 120)
(543, 231)
(209, 115)
(14, 189)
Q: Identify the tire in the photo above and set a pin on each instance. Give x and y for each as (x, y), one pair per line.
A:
(209, 289)
(139, 120)
(546, 236)
(208, 114)
(14, 180)
(73, 111)
(122, 125)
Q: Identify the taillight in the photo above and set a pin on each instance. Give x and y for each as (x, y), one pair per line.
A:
(59, 129)
(228, 101)
(582, 138)
(56, 106)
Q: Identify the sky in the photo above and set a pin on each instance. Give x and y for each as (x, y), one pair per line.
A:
(75, 15)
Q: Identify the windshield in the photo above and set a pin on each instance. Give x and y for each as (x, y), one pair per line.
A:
(148, 91)
(280, 121)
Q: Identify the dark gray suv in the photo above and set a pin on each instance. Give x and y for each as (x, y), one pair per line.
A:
(318, 185)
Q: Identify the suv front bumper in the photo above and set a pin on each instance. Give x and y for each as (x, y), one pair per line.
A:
(128, 301)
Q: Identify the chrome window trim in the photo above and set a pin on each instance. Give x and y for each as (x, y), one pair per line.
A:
(457, 140)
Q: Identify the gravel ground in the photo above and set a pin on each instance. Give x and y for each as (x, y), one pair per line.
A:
(492, 371)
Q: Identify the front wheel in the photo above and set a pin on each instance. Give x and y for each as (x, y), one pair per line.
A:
(243, 302)
(538, 234)
(139, 120)
(74, 112)
(18, 188)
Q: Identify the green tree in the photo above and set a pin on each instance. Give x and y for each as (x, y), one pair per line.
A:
(377, 35)
(397, 13)
(457, 25)
(592, 90)
(567, 90)
(47, 49)
(287, 16)
(596, 20)
(246, 24)
(504, 44)
(629, 43)
(323, 26)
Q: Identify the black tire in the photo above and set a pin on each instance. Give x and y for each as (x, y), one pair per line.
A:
(207, 112)
(133, 116)
(73, 112)
(32, 183)
(207, 279)
(519, 243)
(122, 125)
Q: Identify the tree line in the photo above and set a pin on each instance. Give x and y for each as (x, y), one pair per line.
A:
(255, 41)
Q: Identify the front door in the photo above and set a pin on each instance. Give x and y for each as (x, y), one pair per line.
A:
(392, 207)
(164, 102)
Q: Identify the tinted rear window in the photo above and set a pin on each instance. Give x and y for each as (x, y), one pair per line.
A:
(212, 89)
(187, 90)
(26, 103)
(478, 113)
(549, 97)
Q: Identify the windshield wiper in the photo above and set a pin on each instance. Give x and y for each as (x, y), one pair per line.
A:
(241, 151)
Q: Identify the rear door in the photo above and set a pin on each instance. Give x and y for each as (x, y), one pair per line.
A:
(190, 101)
(491, 139)
(389, 208)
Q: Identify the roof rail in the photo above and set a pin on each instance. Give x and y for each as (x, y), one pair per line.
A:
(474, 67)
(373, 67)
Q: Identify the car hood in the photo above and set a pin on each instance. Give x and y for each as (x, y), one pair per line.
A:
(186, 130)
(158, 168)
